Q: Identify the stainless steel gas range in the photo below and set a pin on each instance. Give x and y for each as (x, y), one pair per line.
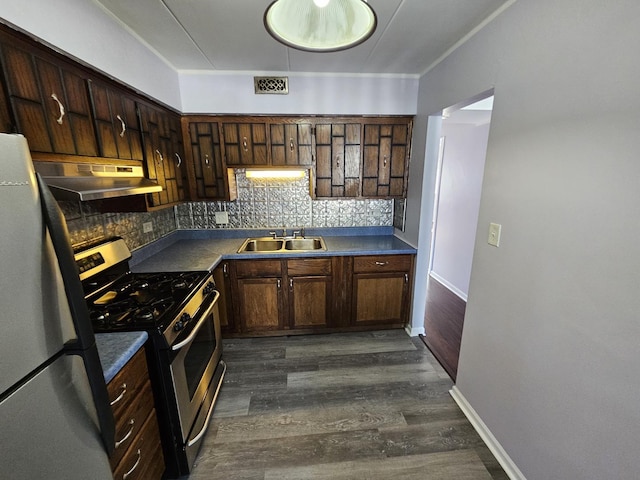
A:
(179, 310)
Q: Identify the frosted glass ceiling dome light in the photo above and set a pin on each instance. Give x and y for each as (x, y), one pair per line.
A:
(320, 25)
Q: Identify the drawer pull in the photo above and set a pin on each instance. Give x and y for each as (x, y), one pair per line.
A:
(382, 264)
(60, 108)
(119, 397)
(179, 161)
(244, 144)
(135, 465)
(123, 125)
(159, 156)
(291, 146)
(124, 439)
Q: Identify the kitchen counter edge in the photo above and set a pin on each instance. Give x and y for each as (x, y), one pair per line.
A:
(116, 349)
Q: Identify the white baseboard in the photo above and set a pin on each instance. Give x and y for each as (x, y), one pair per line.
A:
(449, 286)
(502, 457)
(414, 331)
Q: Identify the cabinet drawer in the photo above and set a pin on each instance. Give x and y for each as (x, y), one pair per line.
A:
(382, 263)
(143, 454)
(258, 268)
(127, 383)
(129, 424)
(309, 266)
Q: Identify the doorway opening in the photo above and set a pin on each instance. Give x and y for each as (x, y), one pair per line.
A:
(458, 187)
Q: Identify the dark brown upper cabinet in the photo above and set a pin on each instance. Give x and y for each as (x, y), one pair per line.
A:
(338, 159)
(206, 170)
(245, 143)
(386, 159)
(48, 100)
(116, 121)
(163, 154)
(291, 144)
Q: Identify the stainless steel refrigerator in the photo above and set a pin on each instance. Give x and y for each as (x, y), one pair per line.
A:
(55, 419)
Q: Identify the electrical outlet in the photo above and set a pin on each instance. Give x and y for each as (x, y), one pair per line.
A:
(222, 218)
(147, 227)
(494, 234)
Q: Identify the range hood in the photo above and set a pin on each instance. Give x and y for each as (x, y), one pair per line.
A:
(86, 181)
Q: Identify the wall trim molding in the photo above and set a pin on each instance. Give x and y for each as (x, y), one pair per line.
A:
(414, 331)
(448, 285)
(505, 461)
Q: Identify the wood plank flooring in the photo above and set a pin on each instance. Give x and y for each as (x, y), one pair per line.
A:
(366, 405)
(443, 322)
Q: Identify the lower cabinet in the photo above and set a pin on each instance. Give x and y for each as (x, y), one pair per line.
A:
(138, 451)
(381, 289)
(296, 295)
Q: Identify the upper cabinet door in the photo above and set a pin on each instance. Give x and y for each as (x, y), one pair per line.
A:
(205, 166)
(386, 159)
(291, 144)
(116, 122)
(49, 100)
(245, 144)
(338, 158)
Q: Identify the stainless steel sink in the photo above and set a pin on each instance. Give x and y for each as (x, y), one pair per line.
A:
(282, 245)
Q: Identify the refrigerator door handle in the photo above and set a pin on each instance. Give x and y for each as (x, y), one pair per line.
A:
(85, 346)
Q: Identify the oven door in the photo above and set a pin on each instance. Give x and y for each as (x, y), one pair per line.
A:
(194, 366)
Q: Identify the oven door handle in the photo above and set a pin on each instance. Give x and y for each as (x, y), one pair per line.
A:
(199, 435)
(194, 332)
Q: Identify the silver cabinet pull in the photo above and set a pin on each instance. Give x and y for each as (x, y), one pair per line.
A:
(179, 161)
(244, 144)
(60, 107)
(206, 160)
(123, 125)
(291, 144)
(291, 284)
(160, 156)
(406, 278)
(225, 269)
(124, 439)
(337, 161)
(380, 264)
(385, 161)
(135, 465)
(278, 284)
(121, 396)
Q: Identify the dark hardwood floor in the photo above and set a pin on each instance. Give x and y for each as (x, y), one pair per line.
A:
(367, 405)
(443, 322)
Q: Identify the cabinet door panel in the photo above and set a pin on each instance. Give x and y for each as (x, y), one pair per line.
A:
(245, 144)
(338, 160)
(291, 144)
(379, 298)
(310, 301)
(385, 160)
(260, 304)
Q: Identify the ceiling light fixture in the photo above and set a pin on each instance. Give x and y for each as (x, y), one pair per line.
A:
(320, 25)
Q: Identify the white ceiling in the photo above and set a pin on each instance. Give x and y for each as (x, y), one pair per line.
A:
(228, 35)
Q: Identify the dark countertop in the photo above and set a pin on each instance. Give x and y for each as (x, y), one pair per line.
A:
(200, 250)
(116, 349)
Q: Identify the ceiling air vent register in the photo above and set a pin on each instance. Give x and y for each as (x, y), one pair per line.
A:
(272, 85)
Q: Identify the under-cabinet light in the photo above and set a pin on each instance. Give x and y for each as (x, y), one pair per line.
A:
(275, 173)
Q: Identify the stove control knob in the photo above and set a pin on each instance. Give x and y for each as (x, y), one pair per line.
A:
(184, 319)
(208, 288)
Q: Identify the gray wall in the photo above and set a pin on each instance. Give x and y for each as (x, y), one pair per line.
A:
(459, 202)
(550, 359)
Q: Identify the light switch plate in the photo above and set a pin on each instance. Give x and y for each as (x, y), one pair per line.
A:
(494, 234)
(222, 218)
(147, 227)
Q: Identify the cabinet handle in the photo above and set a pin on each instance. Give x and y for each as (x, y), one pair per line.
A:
(337, 162)
(279, 284)
(406, 278)
(60, 107)
(291, 144)
(291, 284)
(135, 465)
(244, 144)
(123, 125)
(380, 264)
(179, 161)
(385, 161)
(206, 160)
(225, 269)
(160, 156)
(124, 439)
(121, 396)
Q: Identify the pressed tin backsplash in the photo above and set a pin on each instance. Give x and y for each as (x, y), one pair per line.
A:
(260, 204)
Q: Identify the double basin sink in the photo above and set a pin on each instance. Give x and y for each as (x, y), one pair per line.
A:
(282, 245)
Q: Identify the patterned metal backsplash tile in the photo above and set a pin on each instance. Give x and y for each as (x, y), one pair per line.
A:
(260, 204)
